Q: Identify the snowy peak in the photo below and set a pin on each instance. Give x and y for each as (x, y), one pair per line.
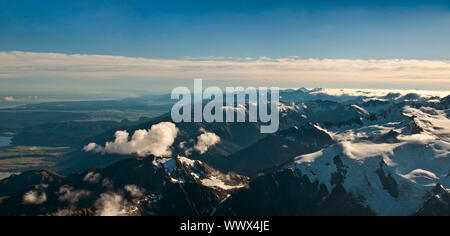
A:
(446, 100)
(438, 204)
(393, 167)
(382, 174)
(183, 170)
(307, 134)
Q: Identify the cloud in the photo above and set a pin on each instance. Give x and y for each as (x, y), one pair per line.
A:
(109, 204)
(92, 178)
(64, 212)
(205, 141)
(379, 94)
(93, 147)
(318, 71)
(9, 99)
(156, 141)
(34, 198)
(107, 183)
(22, 99)
(134, 190)
(68, 194)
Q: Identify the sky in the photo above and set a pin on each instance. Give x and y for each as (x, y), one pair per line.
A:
(55, 45)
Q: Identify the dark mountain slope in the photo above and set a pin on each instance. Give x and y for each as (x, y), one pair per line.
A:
(276, 149)
(288, 193)
(17, 183)
(133, 186)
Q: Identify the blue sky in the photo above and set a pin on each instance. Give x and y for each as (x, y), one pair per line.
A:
(354, 44)
(175, 29)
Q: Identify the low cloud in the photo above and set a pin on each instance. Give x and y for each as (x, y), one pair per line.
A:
(68, 194)
(21, 99)
(134, 190)
(205, 141)
(92, 178)
(109, 204)
(93, 147)
(107, 183)
(64, 212)
(34, 198)
(157, 141)
(9, 99)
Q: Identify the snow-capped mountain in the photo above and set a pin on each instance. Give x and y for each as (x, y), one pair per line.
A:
(392, 166)
(395, 163)
(337, 153)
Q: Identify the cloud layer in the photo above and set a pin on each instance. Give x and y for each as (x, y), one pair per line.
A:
(156, 141)
(394, 72)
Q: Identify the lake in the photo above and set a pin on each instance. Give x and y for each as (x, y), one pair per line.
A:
(5, 141)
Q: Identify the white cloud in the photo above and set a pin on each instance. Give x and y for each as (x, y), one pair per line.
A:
(378, 93)
(318, 71)
(34, 198)
(205, 141)
(93, 147)
(21, 99)
(68, 194)
(109, 204)
(92, 178)
(156, 141)
(9, 99)
(64, 212)
(182, 145)
(107, 183)
(134, 190)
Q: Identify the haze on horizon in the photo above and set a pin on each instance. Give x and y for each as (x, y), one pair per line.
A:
(95, 46)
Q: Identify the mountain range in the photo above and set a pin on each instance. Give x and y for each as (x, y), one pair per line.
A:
(366, 153)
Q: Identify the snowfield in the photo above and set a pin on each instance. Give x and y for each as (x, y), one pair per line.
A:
(391, 163)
